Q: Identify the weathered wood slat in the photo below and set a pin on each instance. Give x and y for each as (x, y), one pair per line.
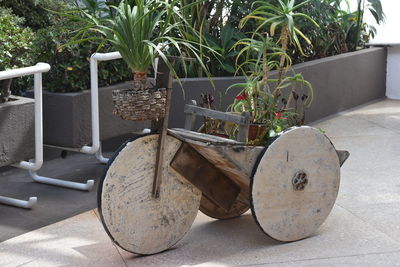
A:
(190, 119)
(295, 184)
(219, 115)
(186, 135)
(212, 210)
(343, 156)
(160, 150)
(135, 220)
(213, 183)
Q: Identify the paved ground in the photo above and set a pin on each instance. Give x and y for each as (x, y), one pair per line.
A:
(362, 230)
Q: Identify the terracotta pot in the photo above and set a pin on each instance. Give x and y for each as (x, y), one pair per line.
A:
(257, 133)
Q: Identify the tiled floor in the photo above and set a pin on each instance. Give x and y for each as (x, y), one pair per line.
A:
(54, 203)
(362, 230)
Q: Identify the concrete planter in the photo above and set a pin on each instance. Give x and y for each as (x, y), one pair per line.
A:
(340, 82)
(67, 118)
(17, 129)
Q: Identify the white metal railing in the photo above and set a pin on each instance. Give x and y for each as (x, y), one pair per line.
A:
(36, 164)
(94, 89)
(95, 148)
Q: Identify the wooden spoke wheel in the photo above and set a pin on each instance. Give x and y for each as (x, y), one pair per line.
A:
(295, 184)
(214, 211)
(133, 218)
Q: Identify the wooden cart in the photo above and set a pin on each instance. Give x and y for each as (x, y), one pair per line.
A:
(155, 184)
(290, 185)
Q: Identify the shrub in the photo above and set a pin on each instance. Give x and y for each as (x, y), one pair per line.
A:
(70, 66)
(34, 11)
(14, 45)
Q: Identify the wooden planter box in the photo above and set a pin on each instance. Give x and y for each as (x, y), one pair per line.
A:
(67, 118)
(17, 130)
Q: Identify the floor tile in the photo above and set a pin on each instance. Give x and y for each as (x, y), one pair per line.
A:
(240, 242)
(77, 241)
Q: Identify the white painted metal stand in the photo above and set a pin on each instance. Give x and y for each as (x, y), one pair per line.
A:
(95, 148)
(36, 164)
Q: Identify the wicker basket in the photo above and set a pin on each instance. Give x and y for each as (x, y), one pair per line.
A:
(140, 105)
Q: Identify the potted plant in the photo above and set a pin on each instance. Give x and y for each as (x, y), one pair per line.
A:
(271, 101)
(16, 113)
(142, 32)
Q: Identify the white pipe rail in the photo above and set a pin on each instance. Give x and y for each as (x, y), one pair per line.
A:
(37, 71)
(19, 203)
(94, 91)
(94, 98)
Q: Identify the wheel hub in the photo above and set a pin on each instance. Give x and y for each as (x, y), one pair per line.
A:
(299, 181)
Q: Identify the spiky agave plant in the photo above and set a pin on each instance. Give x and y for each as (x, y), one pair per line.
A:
(281, 16)
(142, 32)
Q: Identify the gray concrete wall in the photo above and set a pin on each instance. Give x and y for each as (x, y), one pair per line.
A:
(340, 82)
(67, 118)
(17, 129)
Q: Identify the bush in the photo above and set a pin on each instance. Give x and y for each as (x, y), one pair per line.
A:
(34, 11)
(70, 66)
(70, 70)
(14, 41)
(14, 45)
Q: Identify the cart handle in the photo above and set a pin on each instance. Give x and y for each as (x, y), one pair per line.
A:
(192, 110)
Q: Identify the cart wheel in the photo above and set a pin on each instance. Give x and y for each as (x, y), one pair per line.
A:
(214, 211)
(295, 184)
(135, 220)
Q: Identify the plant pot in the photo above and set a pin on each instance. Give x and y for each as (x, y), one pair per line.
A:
(257, 133)
(17, 130)
(140, 105)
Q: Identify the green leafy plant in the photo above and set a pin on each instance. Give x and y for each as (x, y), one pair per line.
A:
(35, 11)
(141, 32)
(272, 102)
(223, 44)
(70, 62)
(342, 30)
(281, 17)
(14, 46)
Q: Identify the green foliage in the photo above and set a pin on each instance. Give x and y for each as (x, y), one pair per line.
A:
(70, 66)
(223, 44)
(272, 102)
(283, 17)
(341, 31)
(14, 46)
(14, 41)
(34, 11)
(142, 32)
(69, 62)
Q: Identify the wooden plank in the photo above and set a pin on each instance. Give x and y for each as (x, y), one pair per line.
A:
(229, 168)
(219, 115)
(343, 156)
(206, 138)
(242, 158)
(164, 80)
(212, 210)
(244, 128)
(134, 220)
(284, 210)
(190, 118)
(213, 183)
